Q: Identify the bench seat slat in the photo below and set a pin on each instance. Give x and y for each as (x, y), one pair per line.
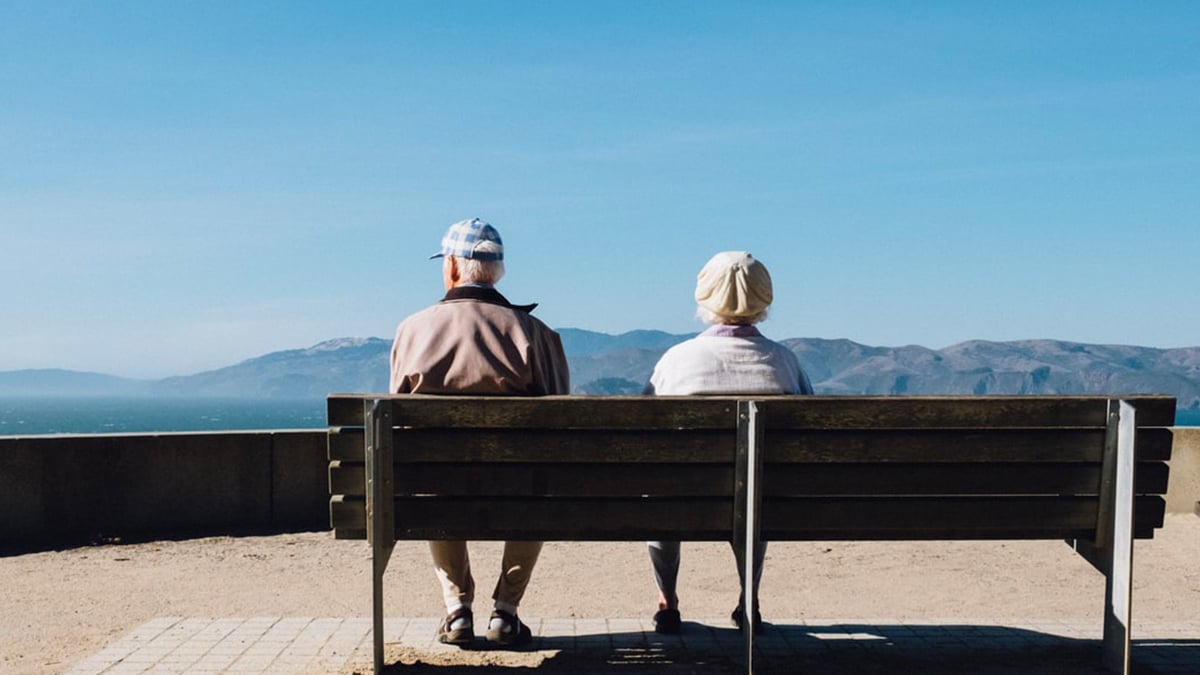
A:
(943, 445)
(1075, 445)
(950, 479)
(464, 445)
(783, 520)
(944, 517)
(708, 412)
(906, 412)
(861, 535)
(581, 519)
(510, 479)
(539, 412)
(524, 445)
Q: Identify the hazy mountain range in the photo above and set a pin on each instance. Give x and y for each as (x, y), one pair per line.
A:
(621, 364)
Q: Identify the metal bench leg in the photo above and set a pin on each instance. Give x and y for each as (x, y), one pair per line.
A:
(746, 507)
(1111, 550)
(379, 560)
(381, 505)
(1119, 526)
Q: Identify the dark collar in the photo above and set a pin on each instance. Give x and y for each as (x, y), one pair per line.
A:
(488, 295)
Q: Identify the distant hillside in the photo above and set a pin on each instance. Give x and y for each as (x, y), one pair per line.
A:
(1020, 367)
(578, 342)
(342, 365)
(600, 363)
(621, 364)
(54, 382)
(614, 364)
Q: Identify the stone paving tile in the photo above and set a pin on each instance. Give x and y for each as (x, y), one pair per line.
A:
(291, 646)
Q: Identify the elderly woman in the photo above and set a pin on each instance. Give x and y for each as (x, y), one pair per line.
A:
(733, 292)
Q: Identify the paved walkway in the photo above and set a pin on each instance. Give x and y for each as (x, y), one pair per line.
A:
(274, 645)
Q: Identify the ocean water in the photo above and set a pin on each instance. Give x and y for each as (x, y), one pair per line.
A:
(109, 415)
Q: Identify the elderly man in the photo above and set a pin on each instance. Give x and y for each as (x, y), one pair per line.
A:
(476, 342)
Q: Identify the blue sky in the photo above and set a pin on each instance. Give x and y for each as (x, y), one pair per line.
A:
(184, 185)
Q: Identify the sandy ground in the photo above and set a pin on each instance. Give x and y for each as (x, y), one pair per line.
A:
(59, 607)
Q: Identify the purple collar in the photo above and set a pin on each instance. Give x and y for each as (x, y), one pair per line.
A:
(724, 330)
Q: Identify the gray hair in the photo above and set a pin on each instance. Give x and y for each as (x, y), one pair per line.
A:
(710, 317)
(481, 271)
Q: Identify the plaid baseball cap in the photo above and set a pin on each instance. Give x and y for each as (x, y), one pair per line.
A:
(465, 236)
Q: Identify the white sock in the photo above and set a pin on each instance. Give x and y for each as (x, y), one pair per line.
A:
(497, 622)
(462, 621)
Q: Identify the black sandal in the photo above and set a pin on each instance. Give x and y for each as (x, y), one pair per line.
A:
(511, 633)
(457, 636)
(739, 620)
(667, 622)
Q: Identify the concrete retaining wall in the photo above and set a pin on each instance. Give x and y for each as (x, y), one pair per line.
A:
(62, 490)
(1183, 490)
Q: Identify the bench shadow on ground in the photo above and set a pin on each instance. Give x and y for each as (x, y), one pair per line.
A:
(834, 648)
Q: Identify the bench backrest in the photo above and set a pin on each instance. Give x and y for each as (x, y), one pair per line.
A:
(833, 467)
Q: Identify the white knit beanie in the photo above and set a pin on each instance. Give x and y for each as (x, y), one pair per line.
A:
(734, 285)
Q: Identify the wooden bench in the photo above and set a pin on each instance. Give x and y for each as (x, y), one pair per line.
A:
(1086, 469)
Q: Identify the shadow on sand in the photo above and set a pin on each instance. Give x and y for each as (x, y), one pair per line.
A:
(835, 648)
